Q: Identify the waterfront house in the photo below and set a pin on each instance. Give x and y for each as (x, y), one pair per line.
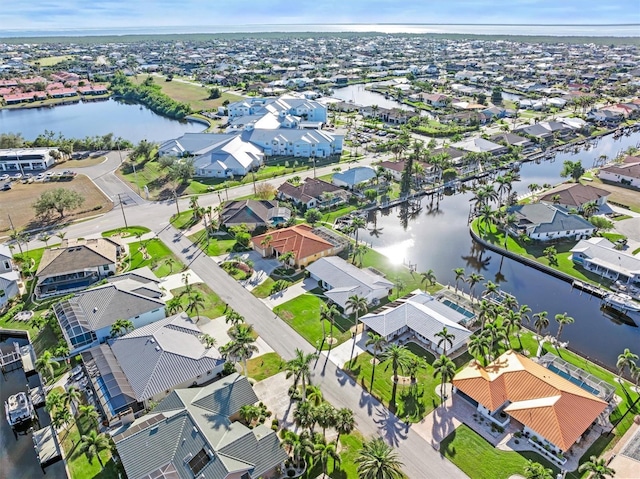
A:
(253, 213)
(341, 280)
(87, 317)
(627, 174)
(552, 410)
(17, 160)
(10, 280)
(310, 110)
(436, 100)
(543, 222)
(600, 256)
(576, 195)
(511, 139)
(296, 142)
(142, 367)
(76, 264)
(195, 433)
(313, 193)
(353, 177)
(394, 168)
(480, 145)
(536, 131)
(305, 242)
(419, 317)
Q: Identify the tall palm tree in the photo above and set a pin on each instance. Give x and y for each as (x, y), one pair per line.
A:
(314, 395)
(495, 331)
(296, 445)
(208, 340)
(174, 305)
(541, 322)
(358, 223)
(473, 279)
(445, 338)
(625, 359)
(89, 411)
(233, 317)
(563, 319)
(597, 467)
(490, 287)
(487, 216)
(377, 344)
(300, 368)
(170, 262)
(241, 347)
(304, 415)
(535, 470)
(196, 302)
(72, 395)
(378, 460)
(47, 364)
(61, 418)
(92, 444)
(327, 313)
(324, 451)
(511, 321)
(358, 305)
(446, 369)
(479, 347)
(325, 416)
(398, 357)
(344, 421)
(428, 277)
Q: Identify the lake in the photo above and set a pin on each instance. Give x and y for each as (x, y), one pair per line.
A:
(359, 95)
(131, 122)
(438, 238)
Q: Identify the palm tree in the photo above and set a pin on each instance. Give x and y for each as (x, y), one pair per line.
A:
(358, 253)
(597, 467)
(327, 313)
(249, 413)
(314, 395)
(473, 279)
(295, 444)
(489, 288)
(445, 338)
(89, 411)
(233, 318)
(358, 305)
(377, 460)
(479, 347)
(92, 444)
(400, 284)
(300, 368)
(535, 470)
(55, 400)
(540, 322)
(625, 359)
(304, 415)
(487, 216)
(46, 363)
(344, 421)
(495, 331)
(72, 395)
(562, 319)
(446, 368)
(325, 416)
(170, 262)
(174, 305)
(196, 302)
(358, 223)
(287, 257)
(429, 277)
(208, 340)
(121, 327)
(61, 418)
(635, 375)
(325, 451)
(511, 321)
(399, 357)
(241, 347)
(377, 343)
(590, 208)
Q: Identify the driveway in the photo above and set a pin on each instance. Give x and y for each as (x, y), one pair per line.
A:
(291, 292)
(217, 328)
(341, 353)
(262, 267)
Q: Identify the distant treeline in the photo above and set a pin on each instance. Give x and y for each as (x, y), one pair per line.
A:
(49, 139)
(150, 95)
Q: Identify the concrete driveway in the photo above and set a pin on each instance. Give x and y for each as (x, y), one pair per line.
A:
(262, 267)
(217, 328)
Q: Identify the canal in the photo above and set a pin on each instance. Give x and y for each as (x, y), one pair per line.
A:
(438, 238)
(129, 121)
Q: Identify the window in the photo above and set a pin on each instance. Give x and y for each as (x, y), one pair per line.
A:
(2, 293)
(105, 267)
(7, 265)
(199, 461)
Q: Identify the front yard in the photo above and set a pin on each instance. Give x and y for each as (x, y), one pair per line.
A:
(158, 257)
(213, 246)
(213, 306)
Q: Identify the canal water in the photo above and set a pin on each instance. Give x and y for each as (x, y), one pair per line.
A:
(18, 459)
(438, 238)
(359, 95)
(129, 121)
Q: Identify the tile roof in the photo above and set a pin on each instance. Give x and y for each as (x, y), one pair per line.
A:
(546, 403)
(310, 189)
(299, 238)
(575, 194)
(92, 254)
(253, 212)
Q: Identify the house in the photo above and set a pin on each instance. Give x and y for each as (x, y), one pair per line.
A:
(511, 139)
(87, 317)
(599, 256)
(145, 365)
(341, 280)
(353, 177)
(626, 174)
(558, 129)
(10, 280)
(537, 131)
(394, 168)
(576, 195)
(302, 107)
(21, 159)
(305, 242)
(191, 143)
(454, 155)
(480, 145)
(297, 142)
(419, 316)
(313, 193)
(76, 264)
(553, 410)
(543, 222)
(228, 158)
(254, 213)
(194, 433)
(436, 100)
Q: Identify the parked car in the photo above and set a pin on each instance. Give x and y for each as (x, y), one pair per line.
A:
(4, 177)
(5, 187)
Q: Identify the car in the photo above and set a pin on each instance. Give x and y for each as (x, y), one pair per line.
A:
(4, 177)
(5, 187)
(16, 176)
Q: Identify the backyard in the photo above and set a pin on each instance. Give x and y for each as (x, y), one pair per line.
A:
(215, 246)
(158, 257)
(265, 366)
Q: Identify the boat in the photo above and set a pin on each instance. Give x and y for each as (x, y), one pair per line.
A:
(19, 409)
(624, 304)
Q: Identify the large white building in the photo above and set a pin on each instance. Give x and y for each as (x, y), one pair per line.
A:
(308, 110)
(17, 160)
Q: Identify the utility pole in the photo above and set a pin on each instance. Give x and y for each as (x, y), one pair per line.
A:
(123, 215)
(135, 176)
(11, 222)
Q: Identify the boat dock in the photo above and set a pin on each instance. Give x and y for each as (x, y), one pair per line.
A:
(45, 442)
(37, 395)
(12, 359)
(28, 357)
(593, 290)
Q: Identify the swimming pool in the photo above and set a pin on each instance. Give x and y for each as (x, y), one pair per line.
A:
(576, 381)
(458, 308)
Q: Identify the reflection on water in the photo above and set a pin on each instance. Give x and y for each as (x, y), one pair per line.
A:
(397, 253)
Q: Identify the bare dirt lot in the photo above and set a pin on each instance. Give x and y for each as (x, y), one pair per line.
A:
(624, 196)
(17, 203)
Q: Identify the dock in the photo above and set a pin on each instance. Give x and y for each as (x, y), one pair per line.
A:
(12, 359)
(45, 442)
(28, 357)
(593, 290)
(37, 395)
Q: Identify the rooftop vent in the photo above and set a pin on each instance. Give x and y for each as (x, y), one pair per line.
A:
(95, 309)
(157, 348)
(195, 430)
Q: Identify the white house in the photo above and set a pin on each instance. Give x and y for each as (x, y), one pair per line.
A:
(10, 281)
(543, 222)
(341, 280)
(295, 142)
(599, 256)
(228, 158)
(626, 174)
(302, 107)
(353, 176)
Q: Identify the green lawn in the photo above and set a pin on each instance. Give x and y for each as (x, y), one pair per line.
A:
(126, 232)
(217, 245)
(303, 315)
(480, 460)
(351, 444)
(265, 366)
(214, 307)
(331, 216)
(158, 252)
(183, 220)
(34, 255)
(263, 290)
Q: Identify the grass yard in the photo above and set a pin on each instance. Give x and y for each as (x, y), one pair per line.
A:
(185, 92)
(126, 232)
(350, 444)
(213, 307)
(265, 366)
(183, 221)
(21, 197)
(480, 460)
(263, 290)
(51, 61)
(331, 216)
(217, 246)
(158, 254)
(303, 315)
(619, 194)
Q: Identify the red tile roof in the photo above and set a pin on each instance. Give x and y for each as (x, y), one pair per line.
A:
(298, 239)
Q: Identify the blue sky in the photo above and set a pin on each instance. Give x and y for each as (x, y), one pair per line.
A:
(85, 14)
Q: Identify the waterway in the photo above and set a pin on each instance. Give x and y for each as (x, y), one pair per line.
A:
(359, 95)
(131, 122)
(438, 238)
(18, 459)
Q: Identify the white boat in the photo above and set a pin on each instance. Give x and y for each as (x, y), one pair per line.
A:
(18, 409)
(624, 305)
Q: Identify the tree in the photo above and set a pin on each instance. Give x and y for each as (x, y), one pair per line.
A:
(626, 359)
(55, 400)
(357, 304)
(597, 467)
(249, 413)
(59, 200)
(174, 305)
(61, 417)
(196, 302)
(429, 277)
(535, 470)
(496, 95)
(233, 318)
(358, 223)
(92, 444)
(551, 254)
(312, 216)
(121, 327)
(540, 322)
(144, 149)
(445, 338)
(241, 347)
(398, 357)
(459, 272)
(300, 368)
(446, 369)
(314, 395)
(358, 252)
(72, 395)
(601, 223)
(47, 364)
(208, 340)
(325, 416)
(590, 208)
(377, 344)
(214, 93)
(572, 169)
(182, 170)
(479, 347)
(325, 451)
(344, 421)
(265, 191)
(563, 319)
(473, 279)
(304, 415)
(377, 460)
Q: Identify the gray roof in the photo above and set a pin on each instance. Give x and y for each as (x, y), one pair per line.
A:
(575, 194)
(163, 355)
(190, 420)
(601, 251)
(310, 189)
(61, 260)
(253, 212)
(544, 218)
(357, 175)
(194, 142)
(421, 313)
(288, 135)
